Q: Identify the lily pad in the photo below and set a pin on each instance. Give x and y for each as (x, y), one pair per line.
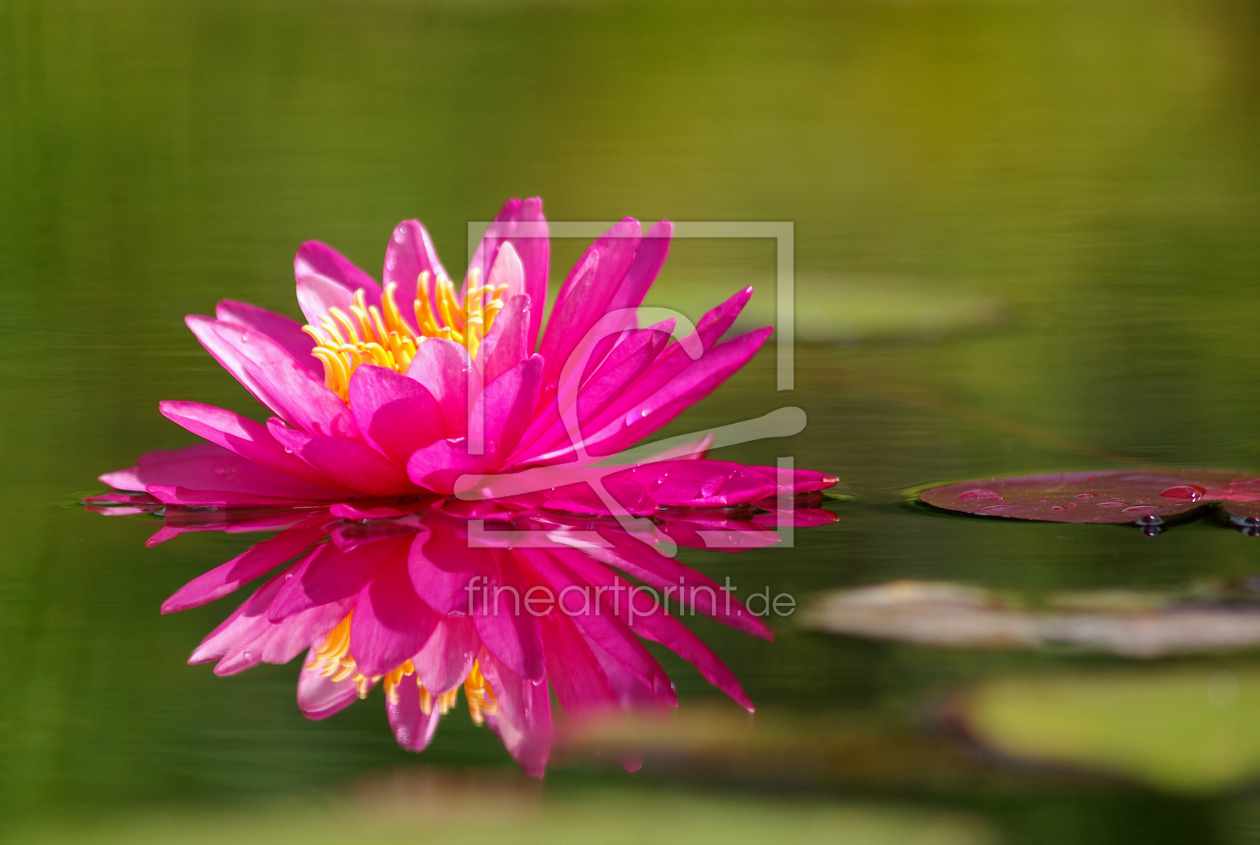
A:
(1181, 731)
(1121, 622)
(1118, 496)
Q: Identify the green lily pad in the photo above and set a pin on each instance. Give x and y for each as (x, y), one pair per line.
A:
(1181, 731)
(1127, 623)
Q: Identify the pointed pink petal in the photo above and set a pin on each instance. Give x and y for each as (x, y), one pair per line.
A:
(279, 328)
(575, 674)
(447, 658)
(348, 462)
(660, 627)
(441, 366)
(390, 622)
(693, 384)
(315, 258)
(279, 381)
(316, 294)
(508, 342)
(255, 561)
(409, 253)
(586, 293)
(522, 224)
(523, 720)
(582, 498)
(319, 697)
(332, 574)
(799, 480)
(397, 415)
(701, 484)
(209, 467)
(506, 627)
(577, 603)
(412, 727)
(246, 438)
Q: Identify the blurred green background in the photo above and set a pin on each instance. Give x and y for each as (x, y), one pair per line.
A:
(1027, 237)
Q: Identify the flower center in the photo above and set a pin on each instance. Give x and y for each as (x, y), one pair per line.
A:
(371, 335)
(333, 660)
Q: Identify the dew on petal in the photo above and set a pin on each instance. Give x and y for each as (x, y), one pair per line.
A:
(1112, 504)
(1185, 492)
(980, 493)
(1139, 509)
(997, 508)
(1086, 496)
(1058, 508)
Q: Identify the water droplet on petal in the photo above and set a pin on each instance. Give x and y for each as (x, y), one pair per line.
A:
(711, 485)
(1058, 508)
(1044, 502)
(1112, 504)
(1140, 509)
(1071, 504)
(980, 493)
(1086, 496)
(1185, 492)
(997, 508)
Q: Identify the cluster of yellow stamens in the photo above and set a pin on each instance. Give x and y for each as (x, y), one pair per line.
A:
(381, 336)
(332, 660)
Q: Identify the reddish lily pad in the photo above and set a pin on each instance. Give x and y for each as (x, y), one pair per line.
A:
(1104, 497)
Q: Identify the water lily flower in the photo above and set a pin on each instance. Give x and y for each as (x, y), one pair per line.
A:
(423, 607)
(404, 387)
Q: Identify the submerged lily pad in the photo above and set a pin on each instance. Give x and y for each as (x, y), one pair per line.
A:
(1182, 731)
(1122, 622)
(1117, 496)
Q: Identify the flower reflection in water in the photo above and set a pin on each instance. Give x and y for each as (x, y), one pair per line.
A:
(427, 596)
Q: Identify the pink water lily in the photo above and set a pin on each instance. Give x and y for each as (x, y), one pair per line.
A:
(404, 388)
(427, 603)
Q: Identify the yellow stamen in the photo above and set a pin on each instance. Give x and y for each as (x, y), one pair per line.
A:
(381, 336)
(332, 660)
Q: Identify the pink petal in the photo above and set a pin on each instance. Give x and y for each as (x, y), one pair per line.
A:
(409, 253)
(605, 630)
(447, 658)
(413, 728)
(397, 415)
(209, 467)
(315, 258)
(317, 294)
(254, 562)
(441, 366)
(246, 438)
(799, 480)
(348, 462)
(523, 720)
(320, 697)
(390, 622)
(660, 627)
(586, 293)
(695, 383)
(501, 412)
(278, 380)
(279, 328)
(575, 674)
(701, 484)
(506, 627)
(508, 343)
(582, 498)
(332, 574)
(520, 223)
